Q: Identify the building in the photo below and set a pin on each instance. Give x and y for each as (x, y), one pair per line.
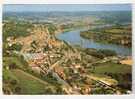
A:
(35, 60)
(60, 71)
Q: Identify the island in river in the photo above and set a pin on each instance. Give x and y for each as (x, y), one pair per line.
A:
(38, 60)
(92, 38)
(118, 34)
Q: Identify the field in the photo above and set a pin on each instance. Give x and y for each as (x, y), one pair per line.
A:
(66, 52)
(12, 60)
(112, 68)
(15, 78)
(32, 84)
(119, 72)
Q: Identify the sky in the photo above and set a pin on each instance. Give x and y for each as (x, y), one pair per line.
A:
(65, 7)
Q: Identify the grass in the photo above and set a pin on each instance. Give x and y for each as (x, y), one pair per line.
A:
(115, 31)
(7, 75)
(7, 61)
(120, 72)
(112, 68)
(111, 35)
(104, 79)
(28, 83)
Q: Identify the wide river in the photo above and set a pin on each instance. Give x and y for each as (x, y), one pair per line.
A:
(73, 37)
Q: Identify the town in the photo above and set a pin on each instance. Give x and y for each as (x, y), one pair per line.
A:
(36, 61)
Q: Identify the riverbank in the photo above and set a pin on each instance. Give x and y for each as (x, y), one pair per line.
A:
(120, 35)
(61, 64)
(73, 37)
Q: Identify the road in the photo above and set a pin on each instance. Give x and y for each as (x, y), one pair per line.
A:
(100, 82)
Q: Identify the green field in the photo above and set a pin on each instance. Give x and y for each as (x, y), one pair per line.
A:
(14, 77)
(119, 72)
(112, 68)
(28, 83)
(9, 60)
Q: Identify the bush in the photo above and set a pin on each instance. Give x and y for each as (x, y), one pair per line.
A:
(16, 47)
(16, 29)
(107, 52)
(17, 89)
(124, 80)
(13, 82)
(95, 53)
(13, 65)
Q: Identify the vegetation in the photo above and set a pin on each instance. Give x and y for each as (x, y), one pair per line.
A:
(52, 28)
(15, 47)
(14, 78)
(18, 78)
(122, 73)
(107, 52)
(111, 68)
(43, 64)
(32, 85)
(16, 29)
(115, 35)
(101, 53)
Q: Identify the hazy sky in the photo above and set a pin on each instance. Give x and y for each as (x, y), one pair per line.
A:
(66, 7)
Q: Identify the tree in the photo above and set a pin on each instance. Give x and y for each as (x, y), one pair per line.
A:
(107, 52)
(13, 82)
(48, 91)
(12, 66)
(17, 89)
(16, 47)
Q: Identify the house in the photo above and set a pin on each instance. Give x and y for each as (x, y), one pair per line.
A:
(36, 69)
(35, 60)
(34, 56)
(60, 71)
(86, 89)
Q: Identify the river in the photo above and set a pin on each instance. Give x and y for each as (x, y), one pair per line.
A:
(73, 37)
